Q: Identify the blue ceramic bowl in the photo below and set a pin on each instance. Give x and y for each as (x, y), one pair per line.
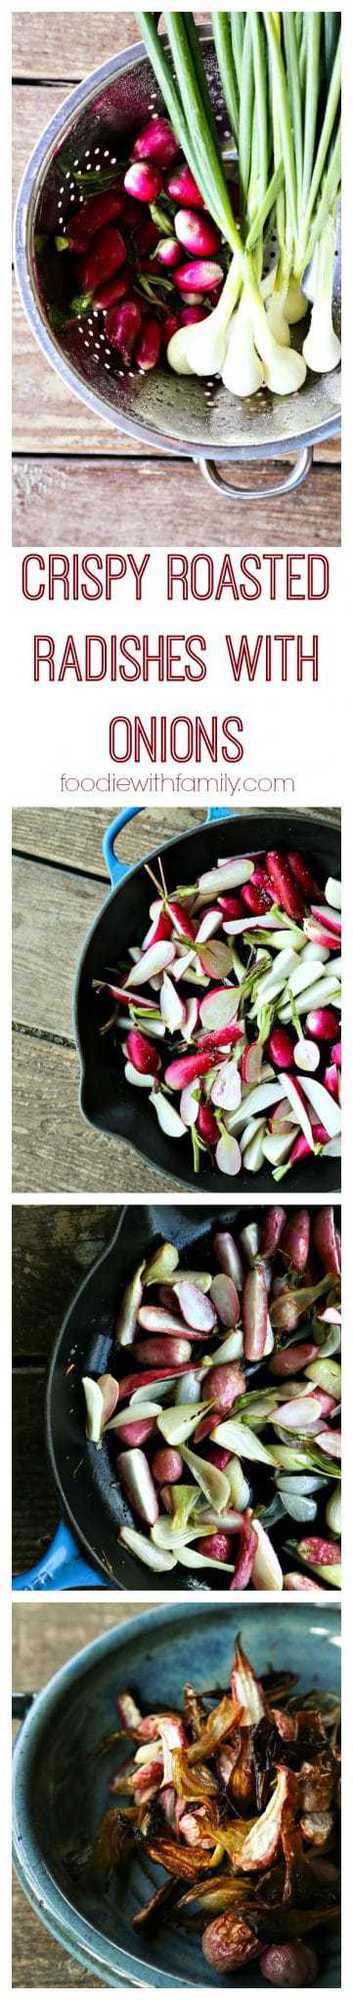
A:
(60, 1785)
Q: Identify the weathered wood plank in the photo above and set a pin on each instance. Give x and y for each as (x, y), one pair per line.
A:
(53, 912)
(53, 1149)
(68, 45)
(75, 838)
(37, 1960)
(152, 500)
(47, 416)
(53, 1251)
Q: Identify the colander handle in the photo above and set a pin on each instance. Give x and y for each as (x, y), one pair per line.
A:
(118, 869)
(294, 478)
(62, 1568)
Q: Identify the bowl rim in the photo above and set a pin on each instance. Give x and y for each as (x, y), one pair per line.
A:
(39, 160)
(86, 1943)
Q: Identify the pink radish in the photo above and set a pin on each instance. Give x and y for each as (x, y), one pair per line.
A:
(182, 923)
(287, 893)
(251, 1062)
(199, 276)
(246, 1555)
(217, 1040)
(148, 344)
(336, 1054)
(228, 1257)
(136, 1431)
(196, 233)
(303, 1414)
(331, 1081)
(182, 187)
(144, 182)
(330, 919)
(231, 906)
(154, 1319)
(156, 142)
(186, 1069)
(218, 1456)
(218, 1546)
(136, 1479)
(161, 927)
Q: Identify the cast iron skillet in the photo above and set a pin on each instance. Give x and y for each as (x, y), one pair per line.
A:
(92, 1503)
(107, 1101)
(60, 1784)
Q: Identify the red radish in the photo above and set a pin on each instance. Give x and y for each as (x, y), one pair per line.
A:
(167, 1466)
(136, 1431)
(153, 1353)
(148, 347)
(245, 1557)
(218, 1546)
(336, 1054)
(302, 874)
(106, 255)
(286, 890)
(136, 1479)
(293, 1580)
(122, 328)
(231, 906)
(228, 1257)
(182, 187)
(321, 1023)
(328, 919)
(183, 1071)
(291, 1360)
(145, 232)
(181, 921)
(225, 1298)
(170, 326)
(224, 1384)
(219, 1008)
(300, 1150)
(196, 233)
(156, 142)
(331, 1081)
(255, 1314)
(326, 1241)
(289, 1965)
(296, 1239)
(192, 315)
(251, 1062)
(160, 928)
(110, 294)
(279, 1048)
(316, 1551)
(272, 1230)
(142, 1053)
(217, 1455)
(256, 898)
(200, 276)
(168, 253)
(91, 216)
(143, 181)
(206, 1425)
(145, 1379)
(153, 1319)
(219, 1039)
(316, 934)
(154, 959)
(206, 1125)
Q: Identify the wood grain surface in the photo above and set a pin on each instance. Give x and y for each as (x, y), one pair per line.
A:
(44, 1637)
(71, 470)
(59, 886)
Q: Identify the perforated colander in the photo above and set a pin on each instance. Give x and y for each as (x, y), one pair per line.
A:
(90, 133)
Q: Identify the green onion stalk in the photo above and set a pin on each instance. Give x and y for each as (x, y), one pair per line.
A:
(280, 78)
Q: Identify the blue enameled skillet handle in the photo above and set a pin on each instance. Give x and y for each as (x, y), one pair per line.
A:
(61, 1568)
(117, 868)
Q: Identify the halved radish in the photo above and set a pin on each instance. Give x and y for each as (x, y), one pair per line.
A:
(153, 960)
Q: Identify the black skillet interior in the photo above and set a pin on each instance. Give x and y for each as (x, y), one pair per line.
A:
(86, 1478)
(108, 1102)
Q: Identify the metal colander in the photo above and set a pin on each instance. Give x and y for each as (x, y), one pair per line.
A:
(90, 132)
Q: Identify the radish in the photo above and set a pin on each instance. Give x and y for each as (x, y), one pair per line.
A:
(291, 1360)
(333, 893)
(225, 1298)
(280, 1048)
(218, 1546)
(144, 182)
(230, 875)
(207, 1125)
(306, 1056)
(172, 1007)
(156, 142)
(295, 1241)
(329, 919)
(166, 1466)
(225, 1383)
(195, 1306)
(142, 1054)
(321, 1023)
(137, 1077)
(266, 1569)
(186, 1070)
(324, 1105)
(101, 1399)
(226, 1091)
(287, 892)
(303, 1414)
(228, 1155)
(244, 1565)
(182, 187)
(190, 1104)
(158, 1353)
(251, 1062)
(255, 1314)
(201, 275)
(196, 233)
(210, 923)
(302, 874)
(291, 1088)
(168, 1117)
(135, 1431)
(326, 1241)
(219, 1008)
(155, 959)
(253, 1152)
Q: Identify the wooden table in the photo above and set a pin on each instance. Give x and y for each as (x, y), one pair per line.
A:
(44, 1637)
(60, 884)
(74, 476)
